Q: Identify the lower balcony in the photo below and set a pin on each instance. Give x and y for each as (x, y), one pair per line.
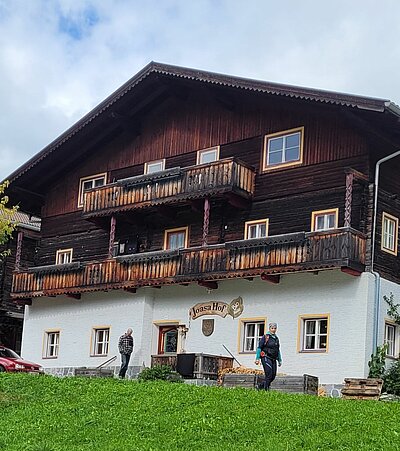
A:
(266, 257)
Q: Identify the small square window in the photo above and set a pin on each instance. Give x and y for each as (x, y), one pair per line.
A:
(52, 343)
(208, 155)
(87, 183)
(314, 334)
(283, 149)
(256, 229)
(324, 220)
(100, 340)
(390, 226)
(176, 238)
(154, 166)
(63, 256)
(251, 333)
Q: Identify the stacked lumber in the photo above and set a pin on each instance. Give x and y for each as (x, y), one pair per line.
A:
(362, 388)
(238, 370)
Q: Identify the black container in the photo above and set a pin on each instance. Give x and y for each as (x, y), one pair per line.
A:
(185, 364)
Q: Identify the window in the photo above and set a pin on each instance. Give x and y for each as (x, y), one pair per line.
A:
(252, 331)
(100, 340)
(390, 226)
(256, 229)
(283, 149)
(154, 166)
(86, 183)
(63, 256)
(314, 332)
(176, 238)
(168, 339)
(51, 344)
(208, 155)
(390, 339)
(324, 220)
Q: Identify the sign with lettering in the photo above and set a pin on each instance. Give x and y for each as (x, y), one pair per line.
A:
(234, 309)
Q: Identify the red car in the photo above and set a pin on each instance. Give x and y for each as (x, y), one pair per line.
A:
(11, 362)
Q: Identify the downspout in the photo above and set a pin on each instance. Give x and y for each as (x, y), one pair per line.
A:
(376, 274)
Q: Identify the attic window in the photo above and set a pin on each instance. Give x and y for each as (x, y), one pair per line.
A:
(208, 155)
(283, 149)
(86, 183)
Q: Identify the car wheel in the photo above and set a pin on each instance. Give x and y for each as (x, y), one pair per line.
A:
(2, 369)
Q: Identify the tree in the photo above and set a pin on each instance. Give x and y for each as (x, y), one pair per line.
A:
(7, 223)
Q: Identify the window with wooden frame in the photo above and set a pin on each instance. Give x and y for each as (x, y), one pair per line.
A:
(324, 219)
(283, 149)
(208, 155)
(167, 339)
(51, 344)
(63, 256)
(154, 166)
(176, 238)
(390, 227)
(86, 183)
(313, 333)
(100, 340)
(251, 330)
(391, 339)
(256, 229)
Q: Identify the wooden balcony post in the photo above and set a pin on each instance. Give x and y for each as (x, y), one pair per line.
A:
(112, 236)
(20, 237)
(206, 221)
(349, 199)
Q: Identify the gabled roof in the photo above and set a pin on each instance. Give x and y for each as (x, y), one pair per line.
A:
(296, 92)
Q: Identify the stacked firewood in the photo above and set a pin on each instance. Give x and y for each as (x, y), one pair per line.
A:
(237, 370)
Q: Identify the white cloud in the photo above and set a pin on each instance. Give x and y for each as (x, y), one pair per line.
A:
(59, 59)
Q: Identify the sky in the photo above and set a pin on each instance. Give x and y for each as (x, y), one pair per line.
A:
(60, 58)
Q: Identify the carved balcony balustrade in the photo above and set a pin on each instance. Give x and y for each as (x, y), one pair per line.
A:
(266, 257)
(229, 177)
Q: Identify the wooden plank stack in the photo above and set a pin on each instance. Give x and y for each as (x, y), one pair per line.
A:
(367, 388)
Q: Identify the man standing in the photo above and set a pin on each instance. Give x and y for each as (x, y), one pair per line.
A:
(125, 346)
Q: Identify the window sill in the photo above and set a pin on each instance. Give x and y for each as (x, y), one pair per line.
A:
(313, 351)
(98, 355)
(50, 358)
(247, 352)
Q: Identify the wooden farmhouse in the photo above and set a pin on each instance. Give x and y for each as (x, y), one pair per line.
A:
(197, 207)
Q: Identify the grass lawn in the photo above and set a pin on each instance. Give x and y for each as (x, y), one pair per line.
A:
(44, 413)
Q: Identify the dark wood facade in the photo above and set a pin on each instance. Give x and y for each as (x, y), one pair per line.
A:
(341, 137)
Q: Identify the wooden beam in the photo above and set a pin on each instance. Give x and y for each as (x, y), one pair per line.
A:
(237, 201)
(20, 237)
(351, 271)
(272, 278)
(76, 296)
(209, 284)
(111, 240)
(206, 221)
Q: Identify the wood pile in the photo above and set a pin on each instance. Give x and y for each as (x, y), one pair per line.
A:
(367, 388)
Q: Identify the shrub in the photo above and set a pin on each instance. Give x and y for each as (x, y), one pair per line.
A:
(159, 372)
(377, 362)
(392, 379)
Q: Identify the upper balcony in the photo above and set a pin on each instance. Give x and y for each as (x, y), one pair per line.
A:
(228, 177)
(269, 257)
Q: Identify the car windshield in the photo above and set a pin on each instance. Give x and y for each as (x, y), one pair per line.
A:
(5, 352)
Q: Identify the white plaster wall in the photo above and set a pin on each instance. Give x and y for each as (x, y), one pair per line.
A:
(347, 299)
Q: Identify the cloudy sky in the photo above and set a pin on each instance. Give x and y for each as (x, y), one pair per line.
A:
(59, 58)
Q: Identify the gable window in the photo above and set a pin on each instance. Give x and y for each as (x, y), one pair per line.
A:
(51, 344)
(100, 340)
(314, 333)
(391, 339)
(63, 256)
(256, 229)
(324, 219)
(176, 238)
(208, 155)
(390, 226)
(86, 183)
(154, 166)
(283, 149)
(252, 331)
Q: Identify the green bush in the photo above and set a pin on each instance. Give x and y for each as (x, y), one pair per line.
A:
(159, 372)
(377, 362)
(392, 379)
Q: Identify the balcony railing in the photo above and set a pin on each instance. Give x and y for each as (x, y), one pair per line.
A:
(340, 248)
(174, 185)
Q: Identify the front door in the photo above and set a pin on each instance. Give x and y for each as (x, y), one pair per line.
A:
(167, 340)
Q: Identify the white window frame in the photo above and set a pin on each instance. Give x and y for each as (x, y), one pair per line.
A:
(385, 240)
(202, 152)
(258, 222)
(169, 232)
(303, 320)
(51, 344)
(89, 178)
(284, 163)
(325, 213)
(259, 323)
(105, 344)
(64, 256)
(393, 347)
(148, 166)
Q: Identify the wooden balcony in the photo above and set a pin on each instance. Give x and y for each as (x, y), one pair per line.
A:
(228, 177)
(267, 257)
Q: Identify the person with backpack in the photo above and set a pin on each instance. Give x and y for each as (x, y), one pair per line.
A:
(269, 353)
